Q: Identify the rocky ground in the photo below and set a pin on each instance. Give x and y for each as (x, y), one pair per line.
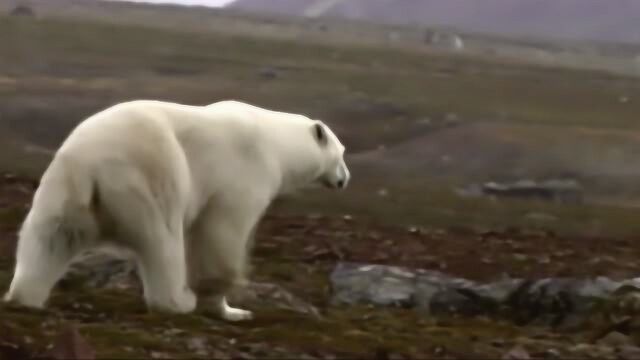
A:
(434, 293)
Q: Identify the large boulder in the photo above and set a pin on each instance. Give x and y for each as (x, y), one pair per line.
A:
(23, 10)
(550, 300)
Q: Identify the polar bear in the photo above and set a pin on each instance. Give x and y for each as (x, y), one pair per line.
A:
(181, 187)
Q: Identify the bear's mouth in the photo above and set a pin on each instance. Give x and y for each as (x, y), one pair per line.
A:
(333, 185)
(328, 184)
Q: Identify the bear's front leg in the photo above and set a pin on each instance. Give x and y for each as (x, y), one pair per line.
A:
(218, 255)
(212, 288)
(218, 306)
(230, 313)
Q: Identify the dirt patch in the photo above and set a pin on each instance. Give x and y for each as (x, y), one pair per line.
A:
(297, 253)
(503, 149)
(476, 256)
(322, 240)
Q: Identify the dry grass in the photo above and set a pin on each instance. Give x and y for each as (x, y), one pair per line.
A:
(54, 75)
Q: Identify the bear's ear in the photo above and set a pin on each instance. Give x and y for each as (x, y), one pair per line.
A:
(319, 133)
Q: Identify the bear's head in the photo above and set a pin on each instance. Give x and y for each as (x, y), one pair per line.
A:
(334, 173)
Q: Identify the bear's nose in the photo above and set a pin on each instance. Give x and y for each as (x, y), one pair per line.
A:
(341, 183)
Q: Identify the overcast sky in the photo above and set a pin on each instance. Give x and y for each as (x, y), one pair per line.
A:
(188, 2)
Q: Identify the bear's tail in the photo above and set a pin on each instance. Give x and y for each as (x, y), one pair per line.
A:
(59, 226)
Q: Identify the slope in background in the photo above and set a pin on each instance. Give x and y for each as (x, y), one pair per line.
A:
(612, 20)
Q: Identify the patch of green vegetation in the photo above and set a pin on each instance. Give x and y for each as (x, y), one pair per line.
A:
(11, 216)
(120, 342)
(433, 204)
(372, 95)
(227, 66)
(118, 325)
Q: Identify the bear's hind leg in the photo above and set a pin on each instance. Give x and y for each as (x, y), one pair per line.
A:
(157, 240)
(46, 247)
(162, 268)
(147, 217)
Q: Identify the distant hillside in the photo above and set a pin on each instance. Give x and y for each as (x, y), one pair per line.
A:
(610, 20)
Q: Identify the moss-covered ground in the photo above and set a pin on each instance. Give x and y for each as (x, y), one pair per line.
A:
(298, 253)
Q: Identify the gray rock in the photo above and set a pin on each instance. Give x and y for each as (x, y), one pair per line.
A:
(516, 353)
(558, 190)
(424, 292)
(470, 191)
(23, 10)
(560, 296)
(198, 345)
(263, 295)
(105, 268)
(615, 339)
(628, 352)
(444, 40)
(378, 285)
(540, 217)
(498, 291)
(548, 354)
(455, 302)
(269, 73)
(555, 301)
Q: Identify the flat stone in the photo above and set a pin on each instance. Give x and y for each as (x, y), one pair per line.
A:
(550, 300)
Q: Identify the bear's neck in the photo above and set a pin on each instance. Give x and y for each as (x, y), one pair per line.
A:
(299, 160)
(298, 173)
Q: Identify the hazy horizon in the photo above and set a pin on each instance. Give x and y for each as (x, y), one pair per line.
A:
(211, 3)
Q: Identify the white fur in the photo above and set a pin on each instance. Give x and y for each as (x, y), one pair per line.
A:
(180, 186)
